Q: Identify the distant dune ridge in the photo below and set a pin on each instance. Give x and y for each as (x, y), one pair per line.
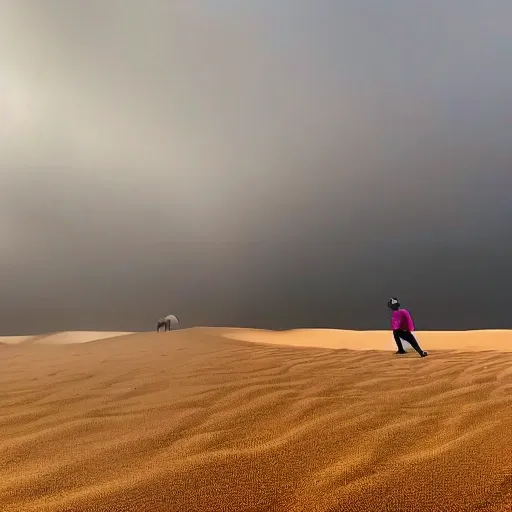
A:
(61, 338)
(219, 419)
(377, 340)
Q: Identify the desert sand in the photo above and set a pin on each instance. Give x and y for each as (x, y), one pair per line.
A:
(214, 420)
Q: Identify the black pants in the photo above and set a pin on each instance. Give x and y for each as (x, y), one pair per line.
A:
(406, 336)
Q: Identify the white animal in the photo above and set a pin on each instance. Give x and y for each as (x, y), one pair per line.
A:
(166, 322)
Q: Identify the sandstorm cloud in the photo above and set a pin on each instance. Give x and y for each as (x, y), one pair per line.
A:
(275, 164)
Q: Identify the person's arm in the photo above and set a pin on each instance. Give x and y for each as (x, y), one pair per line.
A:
(408, 319)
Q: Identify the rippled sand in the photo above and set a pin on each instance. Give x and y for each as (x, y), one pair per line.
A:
(195, 420)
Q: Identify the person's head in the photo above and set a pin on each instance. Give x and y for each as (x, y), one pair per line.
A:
(393, 303)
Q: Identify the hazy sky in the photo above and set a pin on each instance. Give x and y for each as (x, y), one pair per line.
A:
(277, 164)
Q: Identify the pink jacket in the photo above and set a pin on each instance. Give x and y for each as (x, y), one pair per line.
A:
(402, 320)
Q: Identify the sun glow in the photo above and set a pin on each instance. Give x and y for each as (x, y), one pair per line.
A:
(13, 104)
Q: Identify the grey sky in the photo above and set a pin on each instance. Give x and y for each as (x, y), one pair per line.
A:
(274, 164)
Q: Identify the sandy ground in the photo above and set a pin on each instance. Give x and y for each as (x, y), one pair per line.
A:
(214, 420)
(376, 340)
(61, 338)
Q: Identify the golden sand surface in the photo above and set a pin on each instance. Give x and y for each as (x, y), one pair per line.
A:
(225, 420)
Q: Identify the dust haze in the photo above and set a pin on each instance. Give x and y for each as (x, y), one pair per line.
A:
(268, 164)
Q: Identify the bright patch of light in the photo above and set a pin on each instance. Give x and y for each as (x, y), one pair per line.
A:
(13, 104)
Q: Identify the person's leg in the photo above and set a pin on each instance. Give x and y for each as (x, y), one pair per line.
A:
(398, 341)
(409, 337)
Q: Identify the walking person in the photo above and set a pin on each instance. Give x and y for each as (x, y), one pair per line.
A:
(402, 327)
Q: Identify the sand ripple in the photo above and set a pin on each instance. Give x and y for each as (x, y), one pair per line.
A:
(192, 421)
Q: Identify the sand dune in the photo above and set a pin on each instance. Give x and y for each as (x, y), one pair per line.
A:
(376, 340)
(62, 338)
(15, 340)
(195, 420)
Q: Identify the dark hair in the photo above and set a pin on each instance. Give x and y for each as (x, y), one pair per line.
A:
(393, 303)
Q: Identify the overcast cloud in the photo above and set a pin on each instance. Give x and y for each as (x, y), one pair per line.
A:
(272, 164)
